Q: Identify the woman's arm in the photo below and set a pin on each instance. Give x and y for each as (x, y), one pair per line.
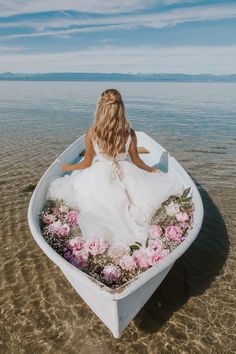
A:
(88, 156)
(133, 152)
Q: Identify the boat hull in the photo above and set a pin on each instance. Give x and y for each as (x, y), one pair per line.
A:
(115, 307)
(117, 314)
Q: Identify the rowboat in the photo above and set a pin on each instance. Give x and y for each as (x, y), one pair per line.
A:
(115, 307)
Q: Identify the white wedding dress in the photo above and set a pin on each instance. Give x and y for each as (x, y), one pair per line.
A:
(115, 198)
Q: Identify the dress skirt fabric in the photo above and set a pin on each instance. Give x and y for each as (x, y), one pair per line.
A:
(115, 199)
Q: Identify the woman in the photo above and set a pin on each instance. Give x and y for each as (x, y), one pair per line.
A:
(115, 195)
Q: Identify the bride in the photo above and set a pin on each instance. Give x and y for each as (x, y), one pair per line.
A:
(113, 189)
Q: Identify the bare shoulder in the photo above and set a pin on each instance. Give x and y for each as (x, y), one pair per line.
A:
(89, 134)
(88, 142)
(89, 131)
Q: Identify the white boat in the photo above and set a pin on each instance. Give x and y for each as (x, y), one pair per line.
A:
(115, 307)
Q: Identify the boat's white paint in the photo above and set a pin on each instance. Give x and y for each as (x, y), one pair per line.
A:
(115, 307)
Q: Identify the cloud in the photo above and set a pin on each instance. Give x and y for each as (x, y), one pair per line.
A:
(6, 49)
(117, 15)
(65, 33)
(185, 59)
(16, 7)
(61, 26)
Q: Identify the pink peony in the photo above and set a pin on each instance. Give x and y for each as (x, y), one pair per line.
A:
(76, 243)
(154, 256)
(49, 218)
(127, 263)
(141, 258)
(55, 226)
(111, 274)
(174, 233)
(97, 246)
(117, 250)
(155, 244)
(155, 231)
(63, 230)
(182, 217)
(68, 255)
(80, 258)
(72, 217)
(172, 209)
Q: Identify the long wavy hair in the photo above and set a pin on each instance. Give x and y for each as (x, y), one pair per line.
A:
(110, 127)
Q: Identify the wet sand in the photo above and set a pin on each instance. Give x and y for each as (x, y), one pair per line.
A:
(193, 310)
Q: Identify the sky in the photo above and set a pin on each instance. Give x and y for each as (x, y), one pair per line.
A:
(131, 36)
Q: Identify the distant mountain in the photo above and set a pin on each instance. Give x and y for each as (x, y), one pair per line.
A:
(67, 76)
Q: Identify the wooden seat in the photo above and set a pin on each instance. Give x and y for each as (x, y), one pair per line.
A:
(143, 150)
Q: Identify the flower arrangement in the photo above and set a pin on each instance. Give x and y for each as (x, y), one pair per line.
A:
(113, 264)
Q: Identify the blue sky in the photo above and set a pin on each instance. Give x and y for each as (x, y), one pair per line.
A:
(187, 36)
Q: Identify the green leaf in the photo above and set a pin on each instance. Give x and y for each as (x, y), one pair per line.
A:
(186, 192)
(138, 243)
(187, 199)
(134, 247)
(147, 242)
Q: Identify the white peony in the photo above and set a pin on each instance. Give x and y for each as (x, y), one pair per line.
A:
(172, 209)
(117, 250)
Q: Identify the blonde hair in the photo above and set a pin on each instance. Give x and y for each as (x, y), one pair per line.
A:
(110, 126)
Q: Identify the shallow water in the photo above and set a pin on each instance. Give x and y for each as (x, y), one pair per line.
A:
(193, 311)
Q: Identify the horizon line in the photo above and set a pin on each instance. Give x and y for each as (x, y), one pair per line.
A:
(117, 73)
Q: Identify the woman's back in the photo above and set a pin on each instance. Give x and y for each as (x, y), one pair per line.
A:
(121, 155)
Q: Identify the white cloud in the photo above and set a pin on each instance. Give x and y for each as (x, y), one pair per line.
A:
(65, 33)
(16, 7)
(61, 26)
(185, 59)
(6, 49)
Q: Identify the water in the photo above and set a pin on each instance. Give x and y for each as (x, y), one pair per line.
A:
(193, 311)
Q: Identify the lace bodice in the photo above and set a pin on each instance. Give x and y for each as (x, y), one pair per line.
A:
(101, 156)
(118, 175)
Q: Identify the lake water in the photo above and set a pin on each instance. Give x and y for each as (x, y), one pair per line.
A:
(193, 311)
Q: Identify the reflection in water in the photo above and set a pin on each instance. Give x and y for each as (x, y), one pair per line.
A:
(193, 309)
